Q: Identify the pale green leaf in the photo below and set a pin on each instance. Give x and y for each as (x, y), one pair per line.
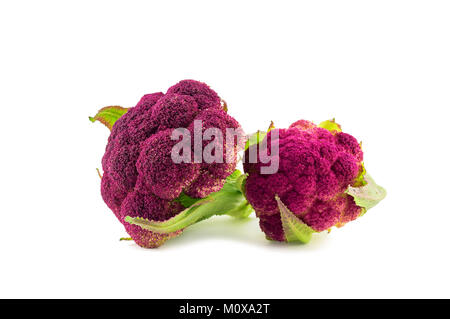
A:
(369, 195)
(257, 137)
(254, 139)
(360, 181)
(109, 115)
(331, 126)
(294, 228)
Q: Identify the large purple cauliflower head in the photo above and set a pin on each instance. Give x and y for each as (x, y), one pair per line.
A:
(140, 178)
(316, 166)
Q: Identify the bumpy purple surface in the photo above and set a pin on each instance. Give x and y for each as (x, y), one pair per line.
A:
(315, 168)
(203, 95)
(150, 207)
(140, 178)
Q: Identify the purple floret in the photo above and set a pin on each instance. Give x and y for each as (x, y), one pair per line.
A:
(140, 179)
(205, 184)
(349, 144)
(123, 148)
(271, 226)
(174, 110)
(158, 174)
(345, 168)
(218, 119)
(112, 195)
(321, 215)
(148, 100)
(205, 97)
(315, 168)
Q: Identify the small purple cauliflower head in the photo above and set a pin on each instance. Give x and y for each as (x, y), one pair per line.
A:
(140, 178)
(316, 166)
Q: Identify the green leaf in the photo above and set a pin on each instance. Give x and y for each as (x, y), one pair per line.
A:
(224, 105)
(360, 181)
(369, 195)
(109, 115)
(228, 201)
(234, 176)
(331, 126)
(254, 139)
(240, 182)
(257, 137)
(186, 218)
(294, 228)
(186, 200)
(242, 211)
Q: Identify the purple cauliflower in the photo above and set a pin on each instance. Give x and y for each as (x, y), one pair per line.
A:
(316, 168)
(140, 179)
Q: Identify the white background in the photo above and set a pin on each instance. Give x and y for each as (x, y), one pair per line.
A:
(382, 68)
